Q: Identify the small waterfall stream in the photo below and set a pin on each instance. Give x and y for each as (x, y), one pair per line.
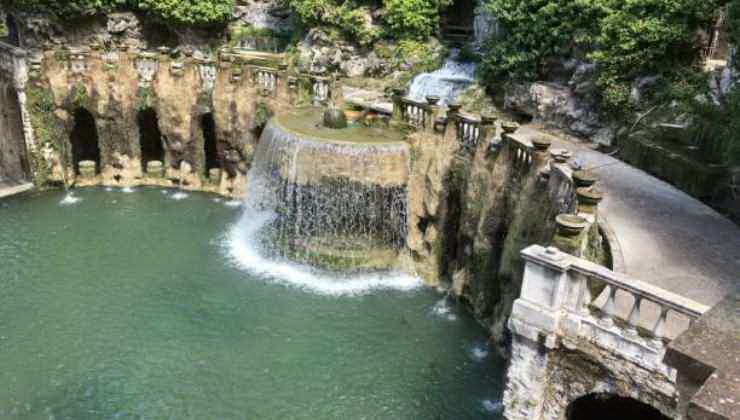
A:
(310, 200)
(446, 82)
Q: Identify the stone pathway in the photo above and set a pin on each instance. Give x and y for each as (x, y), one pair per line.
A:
(667, 237)
(8, 188)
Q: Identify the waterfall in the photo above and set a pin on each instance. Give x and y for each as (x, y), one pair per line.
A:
(446, 82)
(323, 215)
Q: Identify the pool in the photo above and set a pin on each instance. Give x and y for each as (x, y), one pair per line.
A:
(128, 304)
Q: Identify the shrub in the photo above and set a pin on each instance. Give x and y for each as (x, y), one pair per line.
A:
(413, 19)
(625, 38)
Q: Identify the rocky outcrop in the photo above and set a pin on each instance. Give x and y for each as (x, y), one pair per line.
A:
(561, 106)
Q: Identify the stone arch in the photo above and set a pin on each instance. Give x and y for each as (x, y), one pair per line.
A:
(84, 139)
(14, 37)
(213, 156)
(150, 137)
(605, 406)
(13, 154)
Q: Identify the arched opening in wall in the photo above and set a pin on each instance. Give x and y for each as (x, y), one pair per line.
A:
(150, 138)
(84, 139)
(605, 406)
(13, 154)
(13, 37)
(457, 22)
(210, 142)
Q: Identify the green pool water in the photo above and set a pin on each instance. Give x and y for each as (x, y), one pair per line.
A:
(129, 306)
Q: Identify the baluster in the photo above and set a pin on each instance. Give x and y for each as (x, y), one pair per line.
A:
(634, 317)
(610, 307)
(659, 329)
(586, 298)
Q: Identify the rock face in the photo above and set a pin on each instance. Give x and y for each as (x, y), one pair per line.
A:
(13, 162)
(471, 212)
(562, 106)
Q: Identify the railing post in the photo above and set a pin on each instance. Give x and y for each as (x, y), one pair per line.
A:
(398, 111)
(610, 307)
(453, 115)
(634, 317)
(659, 328)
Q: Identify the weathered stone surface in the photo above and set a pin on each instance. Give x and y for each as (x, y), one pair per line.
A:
(559, 106)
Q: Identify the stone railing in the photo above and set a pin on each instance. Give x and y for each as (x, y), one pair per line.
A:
(416, 114)
(572, 298)
(266, 80)
(468, 131)
(522, 151)
(320, 89)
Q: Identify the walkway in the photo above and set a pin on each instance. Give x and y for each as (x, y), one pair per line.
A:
(10, 188)
(667, 237)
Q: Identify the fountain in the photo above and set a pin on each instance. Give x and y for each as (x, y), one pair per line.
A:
(446, 82)
(328, 199)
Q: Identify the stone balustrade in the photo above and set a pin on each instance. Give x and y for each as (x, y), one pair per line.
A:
(416, 114)
(266, 80)
(573, 313)
(522, 151)
(321, 88)
(468, 131)
(571, 297)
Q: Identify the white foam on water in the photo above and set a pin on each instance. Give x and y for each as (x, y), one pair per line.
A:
(233, 203)
(179, 196)
(217, 200)
(492, 406)
(442, 309)
(240, 245)
(108, 189)
(479, 352)
(70, 199)
(128, 190)
(165, 192)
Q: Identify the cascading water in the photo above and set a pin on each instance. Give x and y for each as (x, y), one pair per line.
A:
(327, 215)
(446, 82)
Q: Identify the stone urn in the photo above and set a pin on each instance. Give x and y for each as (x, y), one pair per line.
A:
(588, 199)
(335, 118)
(584, 178)
(214, 175)
(433, 99)
(155, 168)
(399, 92)
(454, 107)
(509, 127)
(570, 224)
(541, 144)
(87, 168)
(487, 119)
(561, 155)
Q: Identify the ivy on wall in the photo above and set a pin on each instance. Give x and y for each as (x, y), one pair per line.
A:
(178, 12)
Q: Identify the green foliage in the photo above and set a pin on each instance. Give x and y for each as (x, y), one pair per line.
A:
(625, 38)
(176, 12)
(413, 19)
(345, 18)
(189, 12)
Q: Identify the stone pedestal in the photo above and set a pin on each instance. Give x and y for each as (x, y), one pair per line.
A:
(87, 169)
(155, 169)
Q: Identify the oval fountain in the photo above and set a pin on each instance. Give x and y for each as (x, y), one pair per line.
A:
(325, 206)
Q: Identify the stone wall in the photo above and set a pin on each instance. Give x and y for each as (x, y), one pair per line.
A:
(14, 165)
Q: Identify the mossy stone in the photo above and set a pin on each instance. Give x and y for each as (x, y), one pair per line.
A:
(87, 168)
(335, 118)
(155, 168)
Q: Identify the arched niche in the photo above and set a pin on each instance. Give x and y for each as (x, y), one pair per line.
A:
(84, 139)
(605, 406)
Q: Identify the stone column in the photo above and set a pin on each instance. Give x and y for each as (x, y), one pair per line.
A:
(487, 128)
(433, 113)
